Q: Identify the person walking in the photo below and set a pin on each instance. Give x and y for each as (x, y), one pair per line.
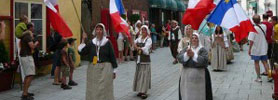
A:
(102, 67)
(258, 46)
(219, 48)
(167, 30)
(142, 78)
(274, 57)
(163, 34)
(268, 36)
(174, 38)
(129, 48)
(274, 21)
(154, 36)
(120, 42)
(185, 41)
(137, 26)
(27, 61)
(195, 82)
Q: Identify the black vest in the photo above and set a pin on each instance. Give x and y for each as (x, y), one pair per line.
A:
(143, 57)
(176, 35)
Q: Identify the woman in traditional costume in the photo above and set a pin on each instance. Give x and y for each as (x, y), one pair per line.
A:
(142, 78)
(101, 69)
(174, 38)
(195, 82)
(185, 41)
(219, 48)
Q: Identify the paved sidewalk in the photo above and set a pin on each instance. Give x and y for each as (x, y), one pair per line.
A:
(237, 83)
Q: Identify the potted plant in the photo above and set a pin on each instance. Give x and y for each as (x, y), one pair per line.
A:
(43, 58)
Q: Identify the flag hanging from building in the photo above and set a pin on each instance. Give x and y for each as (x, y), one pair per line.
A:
(230, 15)
(197, 11)
(116, 10)
(56, 20)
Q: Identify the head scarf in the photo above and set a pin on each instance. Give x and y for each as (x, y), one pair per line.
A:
(199, 45)
(104, 39)
(103, 27)
(174, 21)
(146, 27)
(138, 22)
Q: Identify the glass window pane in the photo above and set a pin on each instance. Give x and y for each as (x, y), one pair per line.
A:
(37, 27)
(16, 22)
(39, 38)
(21, 9)
(36, 11)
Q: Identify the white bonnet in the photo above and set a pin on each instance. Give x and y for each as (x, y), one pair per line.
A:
(103, 27)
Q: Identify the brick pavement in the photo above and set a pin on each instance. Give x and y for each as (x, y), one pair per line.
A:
(237, 83)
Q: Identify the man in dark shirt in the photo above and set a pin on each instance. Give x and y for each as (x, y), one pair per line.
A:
(174, 38)
(53, 43)
(268, 36)
(27, 61)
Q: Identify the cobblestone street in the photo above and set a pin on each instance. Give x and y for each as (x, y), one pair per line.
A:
(237, 83)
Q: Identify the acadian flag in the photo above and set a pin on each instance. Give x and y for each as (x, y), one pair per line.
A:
(117, 9)
(56, 20)
(230, 15)
(197, 11)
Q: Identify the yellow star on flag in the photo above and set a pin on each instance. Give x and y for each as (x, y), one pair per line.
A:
(227, 1)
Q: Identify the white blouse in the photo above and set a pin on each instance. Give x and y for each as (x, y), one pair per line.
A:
(148, 44)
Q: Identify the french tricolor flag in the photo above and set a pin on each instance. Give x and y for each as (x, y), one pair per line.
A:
(230, 15)
(117, 9)
(197, 11)
(56, 20)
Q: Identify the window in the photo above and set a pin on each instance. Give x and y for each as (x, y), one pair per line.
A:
(35, 11)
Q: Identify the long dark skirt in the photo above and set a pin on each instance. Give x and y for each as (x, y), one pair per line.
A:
(142, 78)
(174, 49)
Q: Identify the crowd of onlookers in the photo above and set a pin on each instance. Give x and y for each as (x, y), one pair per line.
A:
(27, 45)
(263, 44)
(262, 47)
(63, 61)
(217, 43)
(159, 36)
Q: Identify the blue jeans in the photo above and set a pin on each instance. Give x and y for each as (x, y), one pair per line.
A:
(154, 38)
(54, 62)
(259, 58)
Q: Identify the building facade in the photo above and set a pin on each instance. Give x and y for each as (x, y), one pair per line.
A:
(99, 7)
(163, 10)
(36, 11)
(259, 6)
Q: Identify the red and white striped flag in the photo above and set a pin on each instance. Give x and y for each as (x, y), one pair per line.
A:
(116, 9)
(197, 11)
(56, 19)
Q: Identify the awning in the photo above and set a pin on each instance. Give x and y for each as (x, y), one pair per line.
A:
(180, 5)
(157, 4)
(171, 5)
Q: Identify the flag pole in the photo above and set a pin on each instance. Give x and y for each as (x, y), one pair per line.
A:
(202, 28)
(78, 16)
